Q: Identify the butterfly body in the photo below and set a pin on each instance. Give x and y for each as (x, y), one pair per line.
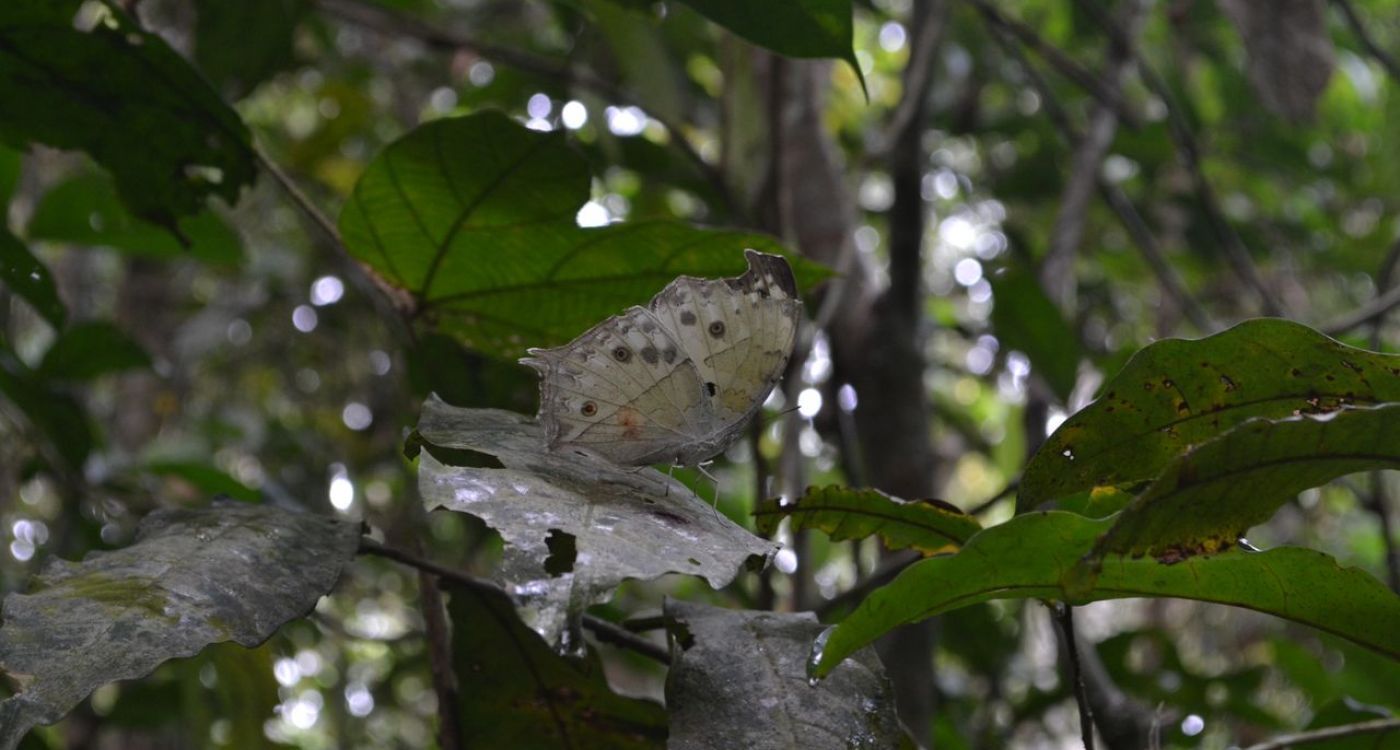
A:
(677, 380)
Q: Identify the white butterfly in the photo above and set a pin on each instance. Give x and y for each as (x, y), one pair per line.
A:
(677, 380)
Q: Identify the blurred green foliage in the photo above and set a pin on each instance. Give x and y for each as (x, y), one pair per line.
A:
(276, 374)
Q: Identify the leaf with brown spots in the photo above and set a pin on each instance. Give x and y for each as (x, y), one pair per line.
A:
(1176, 394)
(1211, 496)
(1037, 555)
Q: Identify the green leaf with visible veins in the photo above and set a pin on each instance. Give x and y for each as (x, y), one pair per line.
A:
(1175, 394)
(475, 217)
(1208, 498)
(94, 81)
(1034, 556)
(845, 513)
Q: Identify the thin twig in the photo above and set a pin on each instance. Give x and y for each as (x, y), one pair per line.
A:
(889, 568)
(1373, 310)
(1057, 269)
(302, 201)
(1106, 93)
(1236, 252)
(1116, 198)
(1358, 27)
(604, 630)
(394, 302)
(1064, 617)
(643, 624)
(1328, 733)
(617, 635)
(439, 641)
(1378, 499)
(1190, 152)
(985, 505)
(915, 80)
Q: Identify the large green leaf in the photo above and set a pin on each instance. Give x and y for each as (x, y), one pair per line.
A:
(1026, 320)
(796, 28)
(534, 698)
(125, 97)
(85, 210)
(475, 216)
(192, 578)
(1034, 556)
(89, 349)
(1208, 498)
(29, 279)
(1175, 394)
(845, 513)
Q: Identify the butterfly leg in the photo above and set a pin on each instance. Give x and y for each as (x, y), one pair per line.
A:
(700, 467)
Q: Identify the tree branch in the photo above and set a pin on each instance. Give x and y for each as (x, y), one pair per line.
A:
(1372, 311)
(1358, 27)
(439, 641)
(1064, 619)
(1284, 741)
(1236, 253)
(1057, 270)
(391, 302)
(1107, 93)
(891, 566)
(1116, 198)
(1378, 499)
(605, 631)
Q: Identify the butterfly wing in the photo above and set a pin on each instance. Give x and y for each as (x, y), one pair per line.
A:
(624, 390)
(739, 332)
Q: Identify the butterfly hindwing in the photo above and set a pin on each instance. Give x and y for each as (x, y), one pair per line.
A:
(622, 390)
(677, 380)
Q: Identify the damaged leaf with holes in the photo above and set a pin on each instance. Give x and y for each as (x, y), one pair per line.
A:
(192, 578)
(739, 680)
(575, 527)
(928, 526)
(1175, 394)
(1038, 555)
(475, 218)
